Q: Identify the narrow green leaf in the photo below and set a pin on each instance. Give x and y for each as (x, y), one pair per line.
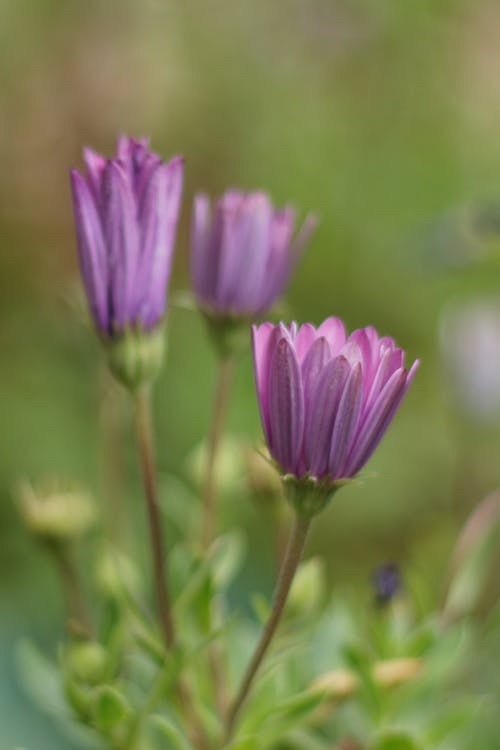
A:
(169, 730)
(227, 557)
(40, 678)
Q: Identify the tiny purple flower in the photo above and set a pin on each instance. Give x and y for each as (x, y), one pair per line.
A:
(243, 253)
(126, 210)
(326, 399)
(386, 581)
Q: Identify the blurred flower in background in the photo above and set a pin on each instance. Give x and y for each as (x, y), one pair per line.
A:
(386, 582)
(243, 255)
(470, 346)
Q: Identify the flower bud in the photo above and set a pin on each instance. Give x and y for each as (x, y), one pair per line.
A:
(55, 513)
(116, 574)
(386, 582)
(228, 465)
(87, 661)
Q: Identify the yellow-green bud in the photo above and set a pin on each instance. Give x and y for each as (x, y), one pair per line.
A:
(228, 469)
(116, 574)
(87, 662)
(55, 513)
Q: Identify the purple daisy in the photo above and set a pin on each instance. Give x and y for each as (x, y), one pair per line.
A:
(126, 210)
(326, 399)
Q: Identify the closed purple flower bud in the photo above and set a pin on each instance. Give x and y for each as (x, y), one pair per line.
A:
(326, 399)
(243, 253)
(126, 210)
(386, 581)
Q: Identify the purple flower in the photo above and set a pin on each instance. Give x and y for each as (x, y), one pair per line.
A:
(126, 210)
(386, 581)
(243, 253)
(326, 400)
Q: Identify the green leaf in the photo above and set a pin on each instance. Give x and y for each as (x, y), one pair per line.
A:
(452, 720)
(473, 558)
(284, 716)
(251, 742)
(308, 588)
(109, 707)
(302, 740)
(194, 582)
(40, 678)
(395, 741)
(169, 730)
(227, 558)
(261, 607)
(297, 708)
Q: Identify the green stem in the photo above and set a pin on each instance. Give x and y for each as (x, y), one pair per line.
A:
(293, 555)
(72, 589)
(218, 415)
(145, 445)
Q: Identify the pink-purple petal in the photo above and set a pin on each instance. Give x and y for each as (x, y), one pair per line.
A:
(320, 416)
(334, 331)
(313, 365)
(377, 421)
(131, 203)
(91, 250)
(286, 406)
(246, 264)
(346, 421)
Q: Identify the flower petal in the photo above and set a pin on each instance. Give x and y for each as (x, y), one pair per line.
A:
(312, 367)
(346, 421)
(334, 331)
(303, 237)
(279, 265)
(91, 250)
(264, 338)
(321, 414)
(286, 407)
(166, 207)
(95, 164)
(122, 239)
(376, 422)
(306, 335)
(244, 251)
(391, 360)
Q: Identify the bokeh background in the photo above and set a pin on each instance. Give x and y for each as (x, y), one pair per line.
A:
(383, 118)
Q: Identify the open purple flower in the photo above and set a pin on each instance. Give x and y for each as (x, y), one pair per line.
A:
(326, 399)
(126, 210)
(243, 253)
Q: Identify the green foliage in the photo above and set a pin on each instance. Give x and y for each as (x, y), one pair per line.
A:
(380, 678)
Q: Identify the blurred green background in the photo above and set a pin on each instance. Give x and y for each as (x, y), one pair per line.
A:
(381, 116)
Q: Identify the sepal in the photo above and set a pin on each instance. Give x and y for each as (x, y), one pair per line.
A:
(307, 495)
(136, 356)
